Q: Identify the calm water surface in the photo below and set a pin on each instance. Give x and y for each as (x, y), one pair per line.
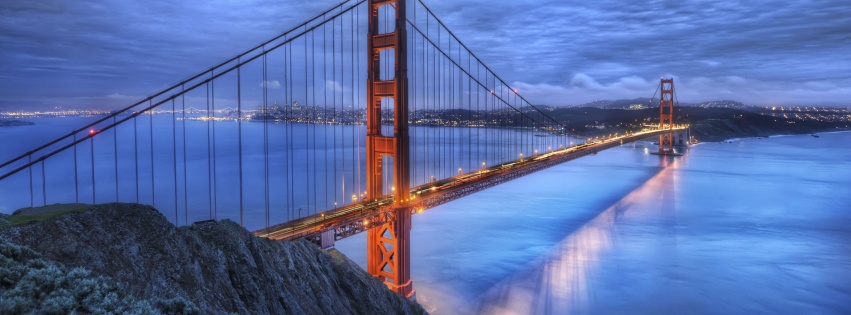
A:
(311, 167)
(753, 226)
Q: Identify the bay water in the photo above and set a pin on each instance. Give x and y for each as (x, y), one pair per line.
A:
(749, 226)
(753, 226)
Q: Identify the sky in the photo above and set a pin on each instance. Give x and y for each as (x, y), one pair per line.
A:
(96, 52)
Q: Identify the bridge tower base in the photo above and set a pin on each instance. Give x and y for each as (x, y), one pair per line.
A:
(388, 244)
(389, 252)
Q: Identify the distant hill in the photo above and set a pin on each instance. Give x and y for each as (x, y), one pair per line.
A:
(647, 102)
(621, 103)
(722, 104)
(708, 123)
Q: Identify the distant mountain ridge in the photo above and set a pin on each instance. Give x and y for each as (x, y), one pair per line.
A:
(648, 102)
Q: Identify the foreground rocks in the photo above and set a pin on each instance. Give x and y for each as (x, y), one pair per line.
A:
(218, 267)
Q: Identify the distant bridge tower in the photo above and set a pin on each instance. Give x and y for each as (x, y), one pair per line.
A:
(388, 245)
(666, 116)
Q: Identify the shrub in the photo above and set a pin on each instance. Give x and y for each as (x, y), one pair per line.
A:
(30, 284)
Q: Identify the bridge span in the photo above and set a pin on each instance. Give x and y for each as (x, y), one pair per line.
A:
(342, 222)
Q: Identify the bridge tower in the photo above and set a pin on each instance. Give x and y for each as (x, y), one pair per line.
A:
(666, 116)
(388, 245)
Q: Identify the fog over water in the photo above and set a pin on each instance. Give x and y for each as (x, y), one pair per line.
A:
(752, 226)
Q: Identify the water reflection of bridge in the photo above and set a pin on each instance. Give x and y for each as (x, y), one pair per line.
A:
(562, 282)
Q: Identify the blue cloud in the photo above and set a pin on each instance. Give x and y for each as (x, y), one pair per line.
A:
(779, 51)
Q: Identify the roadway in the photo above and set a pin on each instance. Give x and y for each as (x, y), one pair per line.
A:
(355, 218)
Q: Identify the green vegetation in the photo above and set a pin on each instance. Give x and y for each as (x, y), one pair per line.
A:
(33, 285)
(27, 215)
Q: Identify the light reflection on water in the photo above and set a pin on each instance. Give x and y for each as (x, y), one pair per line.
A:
(750, 227)
(559, 283)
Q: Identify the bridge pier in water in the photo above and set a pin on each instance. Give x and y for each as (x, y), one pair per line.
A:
(388, 244)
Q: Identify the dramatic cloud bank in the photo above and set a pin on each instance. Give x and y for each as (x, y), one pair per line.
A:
(558, 52)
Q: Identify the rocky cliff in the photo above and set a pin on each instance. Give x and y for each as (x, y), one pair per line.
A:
(218, 267)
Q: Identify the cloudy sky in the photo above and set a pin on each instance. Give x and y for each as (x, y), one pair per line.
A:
(554, 52)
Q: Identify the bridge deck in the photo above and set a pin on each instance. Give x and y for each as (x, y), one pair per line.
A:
(356, 218)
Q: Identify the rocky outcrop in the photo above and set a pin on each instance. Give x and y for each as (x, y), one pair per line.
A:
(220, 267)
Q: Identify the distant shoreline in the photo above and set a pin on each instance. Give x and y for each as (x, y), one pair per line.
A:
(780, 135)
(14, 123)
(777, 136)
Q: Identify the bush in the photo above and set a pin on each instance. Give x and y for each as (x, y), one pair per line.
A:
(31, 284)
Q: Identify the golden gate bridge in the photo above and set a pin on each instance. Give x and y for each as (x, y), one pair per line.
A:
(384, 113)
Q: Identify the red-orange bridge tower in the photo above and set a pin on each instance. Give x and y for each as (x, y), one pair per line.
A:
(388, 246)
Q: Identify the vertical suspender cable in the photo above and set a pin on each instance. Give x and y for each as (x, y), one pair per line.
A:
(94, 199)
(174, 157)
(44, 183)
(153, 191)
(314, 118)
(289, 128)
(470, 165)
(136, 153)
(287, 91)
(32, 194)
(209, 155)
(265, 138)
(325, 92)
(412, 99)
(215, 168)
(76, 177)
(356, 142)
(239, 134)
(185, 166)
(454, 132)
(343, 108)
(115, 154)
(306, 132)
